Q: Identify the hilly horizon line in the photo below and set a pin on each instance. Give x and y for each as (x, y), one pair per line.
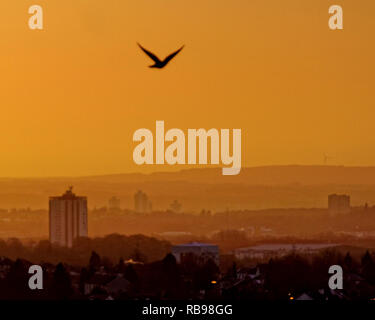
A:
(273, 186)
(189, 170)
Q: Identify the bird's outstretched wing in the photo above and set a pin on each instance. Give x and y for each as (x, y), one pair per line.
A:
(150, 54)
(172, 55)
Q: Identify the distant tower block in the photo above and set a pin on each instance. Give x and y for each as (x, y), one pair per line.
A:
(175, 206)
(338, 204)
(67, 218)
(114, 203)
(141, 203)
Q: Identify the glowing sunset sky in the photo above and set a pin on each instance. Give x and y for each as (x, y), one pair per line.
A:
(73, 94)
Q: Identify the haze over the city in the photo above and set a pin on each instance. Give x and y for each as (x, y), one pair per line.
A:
(197, 189)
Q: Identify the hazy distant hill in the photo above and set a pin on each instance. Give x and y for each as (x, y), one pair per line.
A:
(268, 175)
(259, 187)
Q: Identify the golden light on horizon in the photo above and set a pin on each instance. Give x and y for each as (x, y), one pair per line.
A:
(73, 94)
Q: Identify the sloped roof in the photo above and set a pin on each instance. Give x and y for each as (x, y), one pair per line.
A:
(119, 284)
(196, 244)
(304, 296)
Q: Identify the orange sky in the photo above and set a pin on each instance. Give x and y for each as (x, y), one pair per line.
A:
(73, 94)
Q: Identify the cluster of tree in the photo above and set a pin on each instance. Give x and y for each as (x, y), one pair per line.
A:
(166, 279)
(163, 279)
(282, 278)
(111, 248)
(56, 285)
(295, 274)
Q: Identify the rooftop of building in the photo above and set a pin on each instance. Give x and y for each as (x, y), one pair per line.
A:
(68, 195)
(288, 247)
(196, 244)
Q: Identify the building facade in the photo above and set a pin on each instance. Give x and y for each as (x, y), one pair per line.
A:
(264, 252)
(338, 203)
(67, 218)
(141, 202)
(201, 251)
(114, 203)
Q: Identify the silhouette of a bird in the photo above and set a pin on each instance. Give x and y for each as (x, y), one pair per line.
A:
(160, 63)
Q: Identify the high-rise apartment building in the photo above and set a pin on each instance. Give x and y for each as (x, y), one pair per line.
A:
(141, 203)
(338, 203)
(114, 203)
(67, 218)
